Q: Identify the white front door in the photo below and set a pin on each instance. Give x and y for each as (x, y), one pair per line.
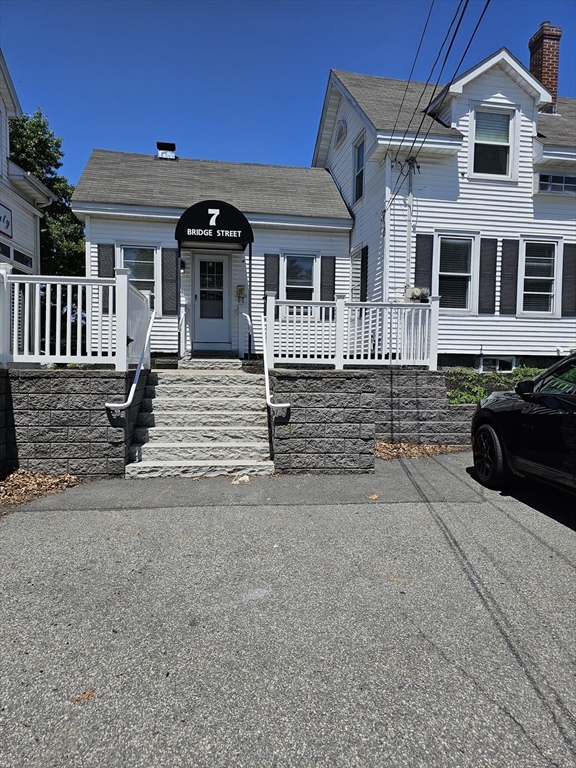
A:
(211, 302)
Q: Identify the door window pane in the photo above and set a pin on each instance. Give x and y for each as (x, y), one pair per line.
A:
(212, 274)
(212, 305)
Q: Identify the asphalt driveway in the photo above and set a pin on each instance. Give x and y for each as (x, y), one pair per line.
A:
(291, 621)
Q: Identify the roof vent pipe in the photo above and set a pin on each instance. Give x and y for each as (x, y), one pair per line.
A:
(166, 150)
(544, 59)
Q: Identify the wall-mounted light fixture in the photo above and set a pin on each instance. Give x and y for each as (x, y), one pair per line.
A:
(182, 267)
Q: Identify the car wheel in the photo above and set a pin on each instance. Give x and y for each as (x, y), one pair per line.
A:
(489, 460)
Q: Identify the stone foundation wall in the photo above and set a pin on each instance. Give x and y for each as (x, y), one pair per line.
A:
(412, 407)
(3, 417)
(56, 421)
(330, 425)
(336, 416)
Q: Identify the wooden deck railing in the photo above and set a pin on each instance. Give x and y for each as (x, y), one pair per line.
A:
(82, 320)
(352, 333)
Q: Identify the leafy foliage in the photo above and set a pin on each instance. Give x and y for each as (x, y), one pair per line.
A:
(468, 386)
(35, 148)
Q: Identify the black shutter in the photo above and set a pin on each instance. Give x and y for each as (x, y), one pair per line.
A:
(170, 281)
(364, 274)
(509, 278)
(424, 249)
(272, 272)
(487, 292)
(327, 278)
(106, 264)
(569, 281)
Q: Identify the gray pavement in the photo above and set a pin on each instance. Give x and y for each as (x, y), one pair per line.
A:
(291, 621)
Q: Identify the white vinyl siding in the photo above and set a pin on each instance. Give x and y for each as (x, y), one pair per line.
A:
(267, 240)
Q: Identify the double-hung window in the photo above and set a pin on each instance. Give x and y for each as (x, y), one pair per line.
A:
(538, 284)
(455, 272)
(359, 170)
(300, 278)
(140, 262)
(492, 143)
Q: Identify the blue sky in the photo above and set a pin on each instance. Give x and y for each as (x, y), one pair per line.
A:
(240, 80)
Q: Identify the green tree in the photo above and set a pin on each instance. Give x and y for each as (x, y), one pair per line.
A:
(35, 148)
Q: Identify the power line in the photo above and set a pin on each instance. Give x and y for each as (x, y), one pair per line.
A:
(411, 73)
(430, 75)
(456, 71)
(447, 54)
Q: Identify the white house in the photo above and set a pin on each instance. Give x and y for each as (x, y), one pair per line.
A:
(468, 192)
(22, 195)
(432, 227)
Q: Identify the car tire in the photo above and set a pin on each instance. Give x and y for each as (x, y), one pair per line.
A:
(489, 459)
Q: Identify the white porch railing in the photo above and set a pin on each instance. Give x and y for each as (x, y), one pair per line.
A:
(352, 333)
(83, 320)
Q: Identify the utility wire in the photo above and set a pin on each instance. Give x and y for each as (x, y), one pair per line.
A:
(430, 75)
(447, 54)
(411, 73)
(455, 72)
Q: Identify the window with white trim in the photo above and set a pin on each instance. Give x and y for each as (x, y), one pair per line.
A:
(141, 263)
(455, 272)
(539, 277)
(492, 143)
(560, 184)
(301, 278)
(359, 170)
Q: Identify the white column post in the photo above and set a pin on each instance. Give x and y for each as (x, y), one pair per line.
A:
(121, 318)
(270, 322)
(5, 311)
(434, 316)
(341, 334)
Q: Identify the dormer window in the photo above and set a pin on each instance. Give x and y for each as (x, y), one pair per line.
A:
(492, 143)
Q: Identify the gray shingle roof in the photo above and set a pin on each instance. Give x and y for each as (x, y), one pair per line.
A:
(559, 130)
(380, 98)
(132, 179)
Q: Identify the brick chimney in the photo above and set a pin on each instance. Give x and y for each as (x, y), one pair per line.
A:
(544, 59)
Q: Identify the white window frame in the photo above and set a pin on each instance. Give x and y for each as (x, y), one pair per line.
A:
(356, 170)
(568, 192)
(472, 308)
(513, 140)
(157, 248)
(10, 261)
(557, 286)
(284, 270)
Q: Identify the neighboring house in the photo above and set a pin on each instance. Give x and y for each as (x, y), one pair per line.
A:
(469, 192)
(22, 195)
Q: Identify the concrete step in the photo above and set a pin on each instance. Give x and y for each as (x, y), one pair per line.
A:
(195, 418)
(221, 434)
(205, 378)
(247, 404)
(206, 452)
(199, 364)
(199, 468)
(195, 390)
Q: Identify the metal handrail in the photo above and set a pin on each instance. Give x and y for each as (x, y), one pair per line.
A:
(269, 403)
(250, 333)
(117, 407)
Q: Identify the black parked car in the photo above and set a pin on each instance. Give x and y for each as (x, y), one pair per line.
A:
(531, 431)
